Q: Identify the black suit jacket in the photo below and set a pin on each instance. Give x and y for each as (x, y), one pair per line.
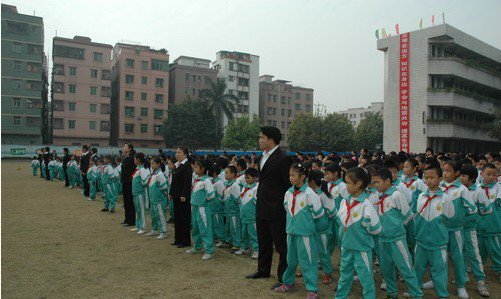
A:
(66, 159)
(128, 167)
(84, 163)
(181, 182)
(273, 183)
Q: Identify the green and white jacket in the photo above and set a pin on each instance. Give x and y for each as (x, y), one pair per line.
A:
(302, 207)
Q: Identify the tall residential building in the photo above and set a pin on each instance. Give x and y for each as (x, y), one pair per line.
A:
(280, 102)
(241, 71)
(187, 77)
(22, 77)
(356, 115)
(441, 86)
(81, 91)
(140, 95)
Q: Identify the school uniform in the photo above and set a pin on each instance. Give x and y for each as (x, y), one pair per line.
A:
(202, 192)
(431, 210)
(302, 207)
(35, 164)
(231, 199)
(241, 180)
(157, 190)
(394, 213)
(51, 170)
(358, 222)
(118, 183)
(140, 195)
(338, 191)
(217, 210)
(416, 186)
(248, 217)
(108, 179)
(489, 227)
(170, 203)
(463, 206)
(44, 170)
(325, 239)
(91, 177)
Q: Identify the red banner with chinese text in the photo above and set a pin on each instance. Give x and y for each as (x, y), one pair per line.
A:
(404, 92)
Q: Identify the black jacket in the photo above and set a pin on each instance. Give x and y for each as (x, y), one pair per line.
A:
(84, 163)
(66, 159)
(128, 167)
(273, 183)
(181, 181)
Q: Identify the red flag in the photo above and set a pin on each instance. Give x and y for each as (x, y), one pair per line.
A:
(397, 29)
(433, 20)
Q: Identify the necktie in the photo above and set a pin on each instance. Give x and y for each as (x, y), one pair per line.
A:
(294, 194)
(348, 215)
(245, 191)
(428, 199)
(381, 202)
(409, 183)
(332, 187)
(194, 183)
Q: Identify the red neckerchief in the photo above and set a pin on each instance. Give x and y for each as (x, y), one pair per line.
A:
(428, 199)
(226, 188)
(381, 202)
(194, 183)
(446, 188)
(294, 194)
(410, 183)
(486, 189)
(149, 179)
(348, 215)
(135, 170)
(331, 187)
(245, 191)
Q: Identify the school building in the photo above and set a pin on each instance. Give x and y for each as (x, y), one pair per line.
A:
(441, 86)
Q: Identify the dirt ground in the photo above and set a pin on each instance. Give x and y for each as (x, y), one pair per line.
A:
(55, 244)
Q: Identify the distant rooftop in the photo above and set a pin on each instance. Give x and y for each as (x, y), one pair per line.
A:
(82, 40)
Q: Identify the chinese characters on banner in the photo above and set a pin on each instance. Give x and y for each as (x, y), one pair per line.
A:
(404, 92)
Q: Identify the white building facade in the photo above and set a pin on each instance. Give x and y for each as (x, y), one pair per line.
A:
(356, 115)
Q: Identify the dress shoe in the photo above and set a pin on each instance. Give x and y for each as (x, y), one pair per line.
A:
(257, 274)
(182, 245)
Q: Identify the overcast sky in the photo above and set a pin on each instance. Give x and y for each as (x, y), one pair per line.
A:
(325, 45)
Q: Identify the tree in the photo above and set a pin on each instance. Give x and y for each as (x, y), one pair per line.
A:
(369, 132)
(241, 134)
(220, 103)
(190, 124)
(494, 127)
(315, 133)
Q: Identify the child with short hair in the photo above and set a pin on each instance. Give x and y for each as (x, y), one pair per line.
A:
(139, 182)
(157, 192)
(302, 207)
(432, 207)
(392, 164)
(248, 213)
(358, 222)
(217, 207)
(92, 176)
(241, 166)
(108, 179)
(231, 199)
(35, 164)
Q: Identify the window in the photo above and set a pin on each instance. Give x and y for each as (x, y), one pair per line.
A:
(298, 106)
(72, 124)
(159, 98)
(274, 123)
(144, 128)
(16, 102)
(187, 77)
(105, 126)
(68, 52)
(58, 87)
(160, 65)
(106, 75)
(33, 67)
(129, 111)
(231, 78)
(35, 49)
(144, 65)
(289, 113)
(199, 79)
(17, 84)
(97, 56)
(129, 78)
(243, 82)
(73, 71)
(144, 96)
(308, 108)
(274, 98)
(289, 100)
(93, 90)
(270, 110)
(93, 73)
(194, 78)
(297, 96)
(57, 105)
(58, 69)
(282, 112)
(16, 120)
(186, 90)
(105, 91)
(282, 124)
(34, 103)
(105, 109)
(269, 98)
(72, 106)
(159, 113)
(243, 68)
(144, 80)
(17, 27)
(157, 130)
(129, 128)
(17, 65)
(159, 82)
(17, 47)
(92, 108)
(144, 111)
(274, 111)
(232, 66)
(34, 85)
(308, 97)
(57, 123)
(73, 88)
(282, 100)
(129, 95)
(129, 62)
(207, 79)
(92, 125)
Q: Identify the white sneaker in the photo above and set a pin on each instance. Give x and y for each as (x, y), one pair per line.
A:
(462, 293)
(428, 285)
(135, 229)
(152, 233)
(383, 285)
(192, 250)
(241, 251)
(255, 255)
(162, 236)
(482, 289)
(141, 231)
(219, 244)
(207, 256)
(355, 278)
(406, 295)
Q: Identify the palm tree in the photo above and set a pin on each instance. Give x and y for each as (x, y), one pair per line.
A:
(220, 103)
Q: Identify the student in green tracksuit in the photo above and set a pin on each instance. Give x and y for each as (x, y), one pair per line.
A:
(231, 199)
(489, 226)
(91, 177)
(202, 192)
(394, 213)
(43, 169)
(432, 208)
(469, 175)
(139, 192)
(463, 204)
(118, 172)
(52, 168)
(157, 192)
(217, 207)
(302, 207)
(358, 222)
(171, 166)
(241, 165)
(108, 179)
(35, 164)
(248, 213)
(337, 188)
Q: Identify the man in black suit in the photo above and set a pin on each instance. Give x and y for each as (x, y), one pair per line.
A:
(180, 192)
(66, 159)
(46, 160)
(270, 213)
(84, 166)
(128, 167)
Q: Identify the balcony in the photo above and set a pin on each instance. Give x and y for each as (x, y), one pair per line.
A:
(456, 129)
(461, 99)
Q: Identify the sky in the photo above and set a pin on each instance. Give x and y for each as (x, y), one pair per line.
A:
(329, 46)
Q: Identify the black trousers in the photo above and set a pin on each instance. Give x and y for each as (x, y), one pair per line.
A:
(269, 232)
(66, 179)
(182, 222)
(85, 185)
(47, 172)
(130, 213)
